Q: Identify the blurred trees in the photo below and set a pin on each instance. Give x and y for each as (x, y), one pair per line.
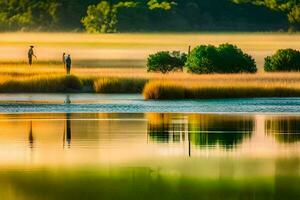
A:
(291, 8)
(144, 15)
(102, 18)
(26, 14)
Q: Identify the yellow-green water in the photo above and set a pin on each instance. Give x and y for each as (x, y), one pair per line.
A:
(149, 156)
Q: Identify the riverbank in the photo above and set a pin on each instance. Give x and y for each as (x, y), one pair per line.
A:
(178, 85)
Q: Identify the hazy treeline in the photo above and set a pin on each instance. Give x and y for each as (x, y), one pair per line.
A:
(191, 15)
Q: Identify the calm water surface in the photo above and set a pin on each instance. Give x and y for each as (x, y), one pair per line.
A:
(149, 156)
(131, 103)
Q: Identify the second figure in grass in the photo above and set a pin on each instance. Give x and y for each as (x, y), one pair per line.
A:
(67, 61)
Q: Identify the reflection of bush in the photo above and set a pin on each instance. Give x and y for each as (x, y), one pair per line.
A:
(165, 133)
(223, 139)
(227, 131)
(204, 129)
(162, 128)
(284, 129)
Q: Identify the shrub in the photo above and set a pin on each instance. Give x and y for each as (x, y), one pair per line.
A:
(72, 83)
(283, 60)
(164, 61)
(226, 58)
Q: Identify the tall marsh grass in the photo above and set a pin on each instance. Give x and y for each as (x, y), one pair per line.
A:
(119, 85)
(44, 79)
(230, 89)
(42, 84)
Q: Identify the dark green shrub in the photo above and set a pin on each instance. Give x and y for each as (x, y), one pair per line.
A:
(226, 58)
(72, 83)
(164, 61)
(283, 60)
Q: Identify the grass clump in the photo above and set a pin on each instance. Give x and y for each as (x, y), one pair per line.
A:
(163, 90)
(173, 90)
(119, 85)
(42, 85)
(226, 58)
(283, 60)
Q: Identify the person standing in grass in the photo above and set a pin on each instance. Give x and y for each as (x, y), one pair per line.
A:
(30, 55)
(68, 64)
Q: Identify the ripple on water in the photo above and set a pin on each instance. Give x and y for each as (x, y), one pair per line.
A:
(56, 103)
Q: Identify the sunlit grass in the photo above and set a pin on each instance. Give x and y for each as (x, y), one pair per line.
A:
(119, 85)
(226, 86)
(135, 47)
(41, 78)
(42, 84)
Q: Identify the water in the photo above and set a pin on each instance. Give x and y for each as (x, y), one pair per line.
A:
(89, 103)
(87, 146)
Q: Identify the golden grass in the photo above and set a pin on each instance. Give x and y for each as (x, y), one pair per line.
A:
(109, 49)
(40, 78)
(119, 85)
(42, 84)
(97, 59)
(231, 87)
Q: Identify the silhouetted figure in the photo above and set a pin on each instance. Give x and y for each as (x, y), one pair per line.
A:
(30, 137)
(64, 59)
(68, 64)
(30, 55)
(67, 133)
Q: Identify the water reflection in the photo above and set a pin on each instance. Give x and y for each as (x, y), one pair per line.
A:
(67, 131)
(238, 155)
(72, 138)
(30, 137)
(200, 130)
(283, 129)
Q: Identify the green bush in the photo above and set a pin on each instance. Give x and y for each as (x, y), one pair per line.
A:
(165, 61)
(283, 60)
(226, 58)
(72, 83)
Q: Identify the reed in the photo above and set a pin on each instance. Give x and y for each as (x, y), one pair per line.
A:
(230, 89)
(177, 85)
(42, 84)
(119, 85)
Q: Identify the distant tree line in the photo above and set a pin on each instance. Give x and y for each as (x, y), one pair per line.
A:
(290, 8)
(148, 15)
